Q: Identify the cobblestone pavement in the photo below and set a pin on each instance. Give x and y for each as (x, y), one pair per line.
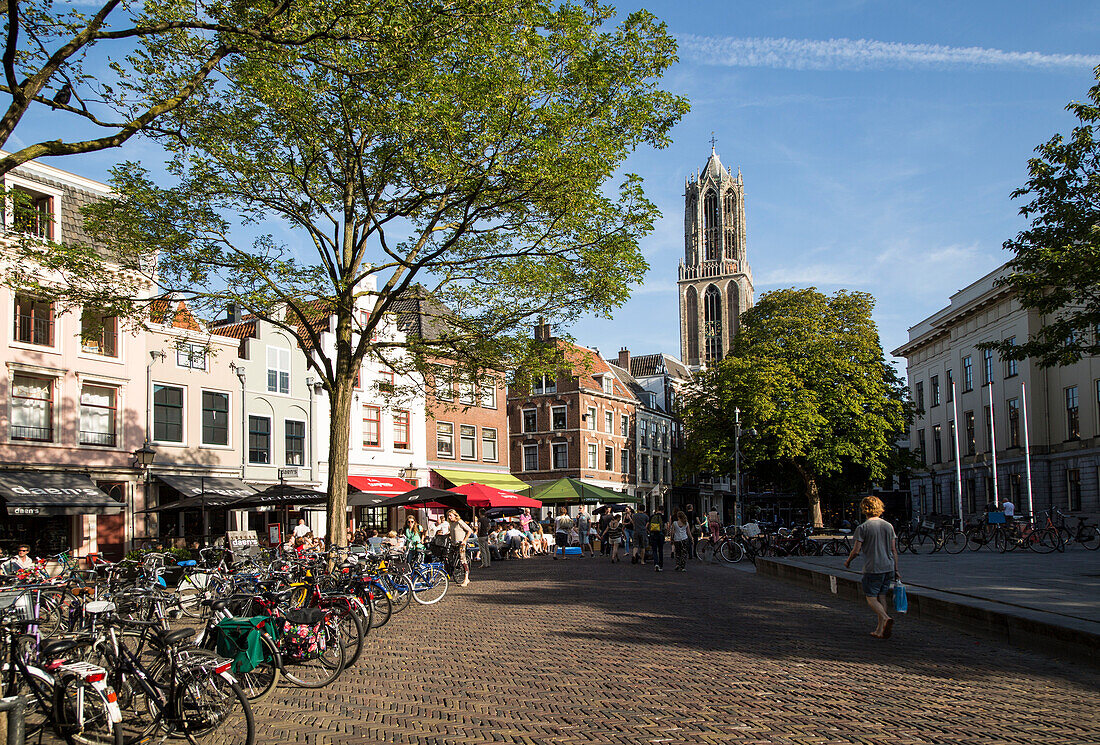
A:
(584, 651)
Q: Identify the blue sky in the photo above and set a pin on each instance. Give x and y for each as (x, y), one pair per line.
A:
(879, 143)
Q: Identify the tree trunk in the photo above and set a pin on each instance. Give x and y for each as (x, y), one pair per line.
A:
(340, 399)
(812, 495)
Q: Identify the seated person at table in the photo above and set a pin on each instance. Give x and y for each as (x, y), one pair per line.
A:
(514, 539)
(538, 539)
(494, 543)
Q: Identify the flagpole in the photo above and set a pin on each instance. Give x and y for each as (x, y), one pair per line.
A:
(1027, 449)
(958, 455)
(993, 444)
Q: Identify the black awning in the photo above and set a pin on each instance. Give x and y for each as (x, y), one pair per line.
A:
(54, 493)
(208, 486)
(280, 494)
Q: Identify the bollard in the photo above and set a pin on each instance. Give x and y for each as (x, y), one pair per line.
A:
(13, 723)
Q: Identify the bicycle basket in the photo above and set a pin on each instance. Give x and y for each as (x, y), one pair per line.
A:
(16, 605)
(239, 640)
(303, 634)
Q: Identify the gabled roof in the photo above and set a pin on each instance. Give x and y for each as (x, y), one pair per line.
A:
(245, 329)
(636, 390)
(589, 367)
(177, 317)
(647, 365)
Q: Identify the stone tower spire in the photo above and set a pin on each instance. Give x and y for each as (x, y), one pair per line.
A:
(715, 280)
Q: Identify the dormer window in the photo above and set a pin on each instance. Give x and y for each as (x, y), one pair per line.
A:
(606, 381)
(32, 213)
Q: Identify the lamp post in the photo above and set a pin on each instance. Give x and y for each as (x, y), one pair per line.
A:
(751, 432)
(143, 457)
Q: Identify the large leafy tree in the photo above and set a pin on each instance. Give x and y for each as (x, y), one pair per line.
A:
(463, 145)
(117, 68)
(1056, 269)
(808, 374)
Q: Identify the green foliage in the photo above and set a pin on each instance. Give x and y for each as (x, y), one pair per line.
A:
(808, 374)
(1056, 269)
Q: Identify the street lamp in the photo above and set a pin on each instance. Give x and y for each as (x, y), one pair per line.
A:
(751, 432)
(143, 457)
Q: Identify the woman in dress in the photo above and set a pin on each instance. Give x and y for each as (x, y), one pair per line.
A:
(460, 532)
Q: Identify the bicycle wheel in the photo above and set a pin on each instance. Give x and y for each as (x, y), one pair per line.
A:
(731, 552)
(1045, 541)
(213, 709)
(39, 692)
(82, 715)
(921, 543)
(400, 597)
(704, 549)
(381, 608)
(322, 667)
(1003, 542)
(903, 542)
(954, 541)
(261, 680)
(1089, 537)
(190, 600)
(429, 585)
(351, 631)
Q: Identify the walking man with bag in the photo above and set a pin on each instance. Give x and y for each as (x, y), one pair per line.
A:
(876, 540)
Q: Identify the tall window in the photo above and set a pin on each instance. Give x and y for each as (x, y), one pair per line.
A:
(372, 427)
(295, 442)
(400, 429)
(215, 418)
(971, 438)
(33, 213)
(624, 421)
(31, 408)
(489, 444)
(33, 321)
(557, 417)
(488, 395)
(530, 420)
(259, 439)
(467, 441)
(443, 385)
(691, 313)
(1073, 489)
(444, 439)
(987, 366)
(591, 417)
(920, 397)
(609, 422)
(1073, 419)
(530, 457)
(385, 381)
(278, 370)
(98, 334)
(712, 324)
(643, 467)
(935, 390)
(545, 384)
(592, 455)
(559, 452)
(921, 452)
(167, 413)
(968, 374)
(624, 455)
(1011, 366)
(608, 459)
(1014, 422)
(970, 494)
(98, 415)
(712, 238)
(607, 384)
(951, 435)
(950, 386)
(192, 356)
(937, 445)
(1014, 492)
(466, 393)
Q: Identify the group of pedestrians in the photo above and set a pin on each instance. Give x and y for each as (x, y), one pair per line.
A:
(638, 533)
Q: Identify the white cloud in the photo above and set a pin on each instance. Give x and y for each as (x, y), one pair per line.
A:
(864, 54)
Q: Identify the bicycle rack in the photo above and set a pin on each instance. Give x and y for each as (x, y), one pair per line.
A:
(14, 723)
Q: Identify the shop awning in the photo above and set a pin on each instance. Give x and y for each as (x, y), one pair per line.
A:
(387, 486)
(505, 481)
(209, 486)
(280, 494)
(54, 493)
(423, 495)
(481, 495)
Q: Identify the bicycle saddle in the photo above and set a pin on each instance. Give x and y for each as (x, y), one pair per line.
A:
(174, 637)
(59, 647)
(99, 606)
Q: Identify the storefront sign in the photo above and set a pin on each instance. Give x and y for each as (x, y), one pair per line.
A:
(26, 510)
(238, 539)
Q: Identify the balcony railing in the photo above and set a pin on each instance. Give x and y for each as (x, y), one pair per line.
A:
(709, 269)
(37, 434)
(34, 329)
(100, 439)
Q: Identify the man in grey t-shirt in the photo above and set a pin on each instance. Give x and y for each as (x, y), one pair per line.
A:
(641, 536)
(875, 539)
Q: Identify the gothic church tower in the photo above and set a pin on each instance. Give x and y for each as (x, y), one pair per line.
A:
(715, 280)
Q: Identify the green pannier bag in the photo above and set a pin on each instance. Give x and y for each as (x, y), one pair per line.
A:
(239, 640)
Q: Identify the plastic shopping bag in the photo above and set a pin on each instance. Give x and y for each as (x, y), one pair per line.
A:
(901, 602)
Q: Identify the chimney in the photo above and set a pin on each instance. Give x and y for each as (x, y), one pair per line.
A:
(624, 359)
(542, 331)
(233, 313)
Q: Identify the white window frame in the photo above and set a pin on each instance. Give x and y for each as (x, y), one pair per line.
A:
(153, 415)
(528, 449)
(554, 410)
(592, 414)
(57, 195)
(443, 374)
(363, 424)
(467, 432)
(116, 419)
(438, 454)
(270, 441)
(276, 356)
(545, 384)
(467, 393)
(192, 351)
(624, 460)
(624, 422)
(55, 382)
(609, 421)
(229, 416)
(488, 396)
(607, 384)
(55, 318)
(305, 444)
(554, 456)
(485, 437)
(523, 420)
(593, 456)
